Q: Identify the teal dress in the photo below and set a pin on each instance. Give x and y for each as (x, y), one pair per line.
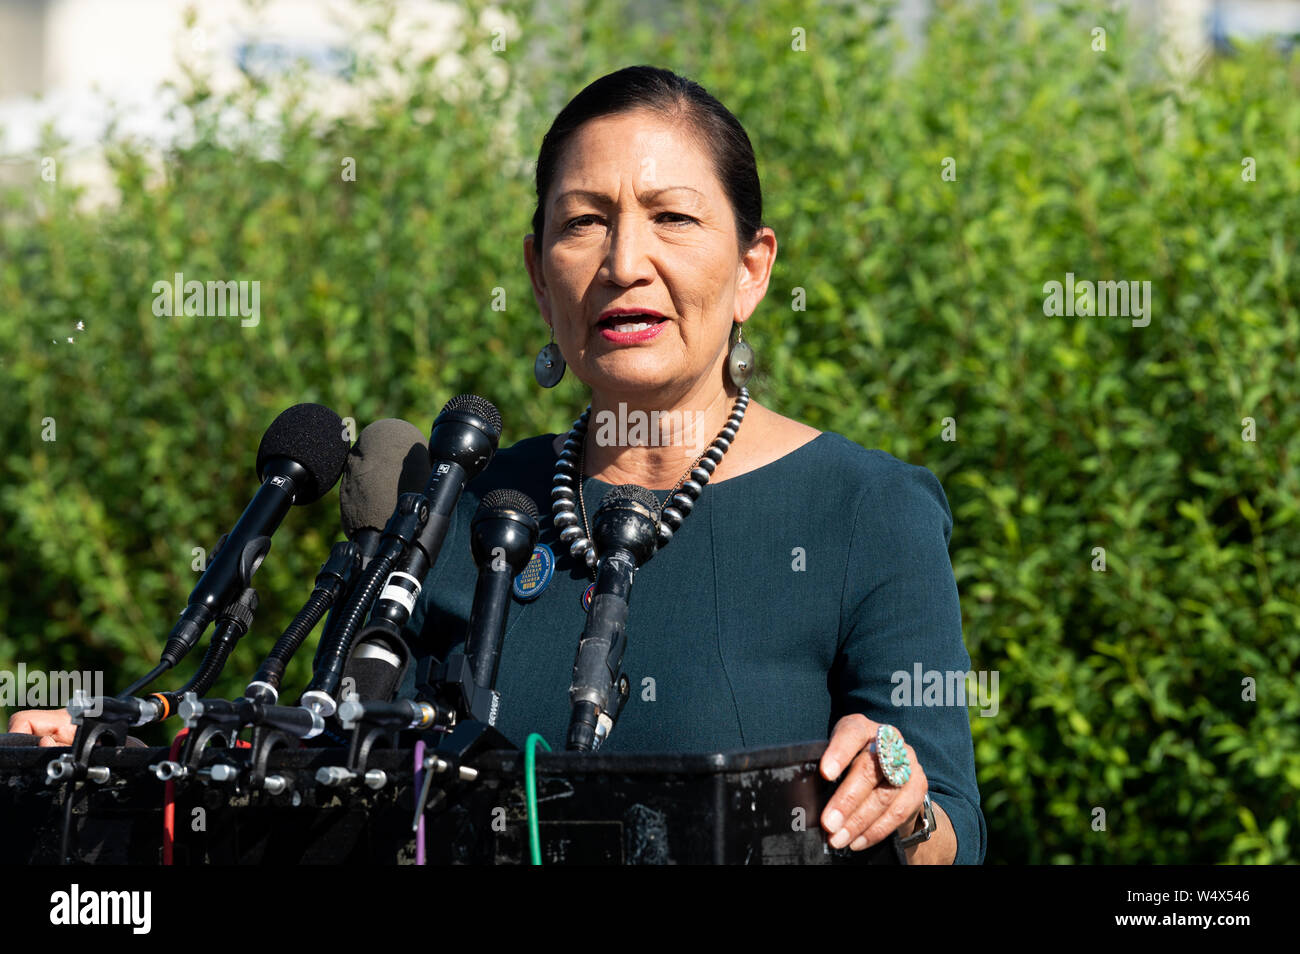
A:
(791, 596)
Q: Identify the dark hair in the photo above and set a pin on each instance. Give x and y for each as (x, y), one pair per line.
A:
(680, 99)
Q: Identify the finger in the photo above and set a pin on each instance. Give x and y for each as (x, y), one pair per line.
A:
(865, 794)
(878, 801)
(848, 738)
(49, 740)
(897, 812)
(21, 722)
(863, 776)
(65, 733)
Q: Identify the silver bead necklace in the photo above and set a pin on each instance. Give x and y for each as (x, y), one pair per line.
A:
(566, 499)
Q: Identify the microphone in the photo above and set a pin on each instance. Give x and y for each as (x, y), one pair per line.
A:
(502, 536)
(390, 458)
(461, 445)
(299, 460)
(624, 532)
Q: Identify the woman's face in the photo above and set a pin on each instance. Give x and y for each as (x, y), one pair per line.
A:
(637, 219)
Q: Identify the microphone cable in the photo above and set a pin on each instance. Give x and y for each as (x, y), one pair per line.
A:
(530, 794)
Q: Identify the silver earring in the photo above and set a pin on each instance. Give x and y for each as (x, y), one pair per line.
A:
(549, 366)
(740, 362)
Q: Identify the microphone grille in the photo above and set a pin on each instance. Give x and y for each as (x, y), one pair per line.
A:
(624, 494)
(479, 407)
(508, 499)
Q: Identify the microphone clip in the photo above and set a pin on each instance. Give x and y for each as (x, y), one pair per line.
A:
(450, 683)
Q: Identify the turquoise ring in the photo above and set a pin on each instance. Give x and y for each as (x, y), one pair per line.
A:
(891, 755)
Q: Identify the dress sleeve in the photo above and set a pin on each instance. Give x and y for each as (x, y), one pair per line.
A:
(900, 624)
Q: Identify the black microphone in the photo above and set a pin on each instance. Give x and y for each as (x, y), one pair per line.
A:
(625, 535)
(502, 536)
(461, 445)
(463, 687)
(299, 460)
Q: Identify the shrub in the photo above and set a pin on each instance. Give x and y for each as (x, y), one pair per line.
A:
(899, 299)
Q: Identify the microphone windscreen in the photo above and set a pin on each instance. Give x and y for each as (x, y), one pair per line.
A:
(627, 519)
(505, 498)
(391, 457)
(376, 666)
(373, 680)
(311, 435)
(624, 494)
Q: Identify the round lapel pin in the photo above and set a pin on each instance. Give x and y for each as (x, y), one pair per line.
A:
(536, 574)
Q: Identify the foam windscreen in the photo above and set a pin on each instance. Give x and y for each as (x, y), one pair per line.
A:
(311, 435)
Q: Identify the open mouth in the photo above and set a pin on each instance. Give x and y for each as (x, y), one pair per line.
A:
(630, 324)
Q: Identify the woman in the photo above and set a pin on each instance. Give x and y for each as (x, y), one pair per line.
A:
(808, 572)
(801, 574)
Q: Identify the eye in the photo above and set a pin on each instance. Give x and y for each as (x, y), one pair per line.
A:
(682, 218)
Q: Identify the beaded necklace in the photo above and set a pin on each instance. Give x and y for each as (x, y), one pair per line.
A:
(675, 508)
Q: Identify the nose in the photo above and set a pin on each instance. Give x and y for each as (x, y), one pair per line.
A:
(627, 261)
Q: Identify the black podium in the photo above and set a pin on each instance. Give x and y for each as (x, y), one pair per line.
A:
(758, 806)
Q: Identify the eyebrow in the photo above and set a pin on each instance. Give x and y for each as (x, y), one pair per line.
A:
(600, 197)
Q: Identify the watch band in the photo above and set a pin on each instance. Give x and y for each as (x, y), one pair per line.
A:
(927, 825)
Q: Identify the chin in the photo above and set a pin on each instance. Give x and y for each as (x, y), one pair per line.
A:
(624, 374)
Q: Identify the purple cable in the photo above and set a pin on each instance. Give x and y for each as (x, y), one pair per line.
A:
(419, 783)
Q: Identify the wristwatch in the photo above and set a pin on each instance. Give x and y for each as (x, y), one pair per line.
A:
(926, 828)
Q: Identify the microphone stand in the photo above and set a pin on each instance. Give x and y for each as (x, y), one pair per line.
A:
(104, 719)
(273, 725)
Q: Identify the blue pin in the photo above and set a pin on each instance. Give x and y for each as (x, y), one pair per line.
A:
(536, 575)
(586, 597)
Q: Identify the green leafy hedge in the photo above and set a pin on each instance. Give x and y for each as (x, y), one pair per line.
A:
(900, 298)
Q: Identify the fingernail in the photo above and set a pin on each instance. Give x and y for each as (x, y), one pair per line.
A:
(834, 821)
(859, 843)
(841, 838)
(831, 768)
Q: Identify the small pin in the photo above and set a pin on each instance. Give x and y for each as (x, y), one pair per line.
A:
(536, 574)
(586, 597)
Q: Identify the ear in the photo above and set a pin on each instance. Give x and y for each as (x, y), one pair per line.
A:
(535, 276)
(753, 273)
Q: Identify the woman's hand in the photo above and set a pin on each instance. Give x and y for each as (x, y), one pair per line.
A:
(54, 726)
(865, 808)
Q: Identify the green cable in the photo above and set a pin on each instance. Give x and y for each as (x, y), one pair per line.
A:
(530, 794)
